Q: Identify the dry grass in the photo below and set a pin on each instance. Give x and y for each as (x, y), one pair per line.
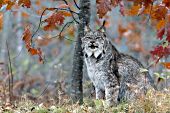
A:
(152, 102)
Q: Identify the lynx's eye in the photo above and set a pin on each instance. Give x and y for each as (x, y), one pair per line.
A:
(88, 37)
(98, 37)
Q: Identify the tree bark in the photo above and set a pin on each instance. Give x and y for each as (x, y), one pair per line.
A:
(77, 72)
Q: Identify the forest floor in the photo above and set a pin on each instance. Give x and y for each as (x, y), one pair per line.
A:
(152, 102)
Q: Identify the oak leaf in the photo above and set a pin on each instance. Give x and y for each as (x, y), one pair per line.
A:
(57, 18)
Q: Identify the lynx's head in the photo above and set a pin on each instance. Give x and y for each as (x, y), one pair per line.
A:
(94, 42)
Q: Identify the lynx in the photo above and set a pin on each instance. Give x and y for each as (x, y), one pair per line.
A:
(113, 74)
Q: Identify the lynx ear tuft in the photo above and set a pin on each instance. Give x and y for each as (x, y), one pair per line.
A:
(102, 28)
(86, 28)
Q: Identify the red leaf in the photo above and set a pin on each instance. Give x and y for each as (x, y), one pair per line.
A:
(25, 3)
(103, 6)
(160, 51)
(55, 18)
(160, 33)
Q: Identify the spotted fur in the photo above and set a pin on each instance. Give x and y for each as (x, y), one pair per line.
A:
(115, 76)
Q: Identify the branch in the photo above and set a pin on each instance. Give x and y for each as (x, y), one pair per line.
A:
(11, 74)
(71, 12)
(40, 21)
(76, 5)
(66, 25)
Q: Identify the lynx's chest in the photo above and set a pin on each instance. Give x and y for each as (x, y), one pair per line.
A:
(97, 71)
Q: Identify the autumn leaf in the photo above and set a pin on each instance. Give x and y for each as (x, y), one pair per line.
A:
(160, 51)
(158, 12)
(27, 35)
(133, 11)
(167, 3)
(25, 3)
(160, 33)
(57, 18)
(166, 64)
(9, 5)
(103, 6)
(160, 24)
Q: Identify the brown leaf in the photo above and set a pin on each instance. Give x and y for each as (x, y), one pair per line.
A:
(133, 11)
(9, 5)
(27, 37)
(103, 6)
(53, 20)
(25, 3)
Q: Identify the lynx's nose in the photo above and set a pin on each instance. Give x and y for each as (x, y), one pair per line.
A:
(92, 42)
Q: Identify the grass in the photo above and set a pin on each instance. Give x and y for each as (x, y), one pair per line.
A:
(152, 102)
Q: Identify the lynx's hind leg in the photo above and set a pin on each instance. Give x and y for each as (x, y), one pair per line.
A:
(99, 93)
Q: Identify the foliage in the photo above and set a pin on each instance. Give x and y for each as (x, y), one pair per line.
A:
(157, 12)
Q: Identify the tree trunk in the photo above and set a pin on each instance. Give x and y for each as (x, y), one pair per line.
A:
(77, 72)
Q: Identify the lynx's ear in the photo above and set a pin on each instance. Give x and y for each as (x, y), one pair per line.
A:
(87, 28)
(102, 28)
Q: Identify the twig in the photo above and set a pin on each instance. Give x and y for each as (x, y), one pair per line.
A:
(44, 90)
(76, 5)
(59, 35)
(40, 21)
(71, 12)
(18, 54)
(10, 69)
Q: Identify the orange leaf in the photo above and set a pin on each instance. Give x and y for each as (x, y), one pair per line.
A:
(9, 5)
(160, 24)
(65, 13)
(166, 65)
(25, 3)
(27, 37)
(33, 51)
(133, 11)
